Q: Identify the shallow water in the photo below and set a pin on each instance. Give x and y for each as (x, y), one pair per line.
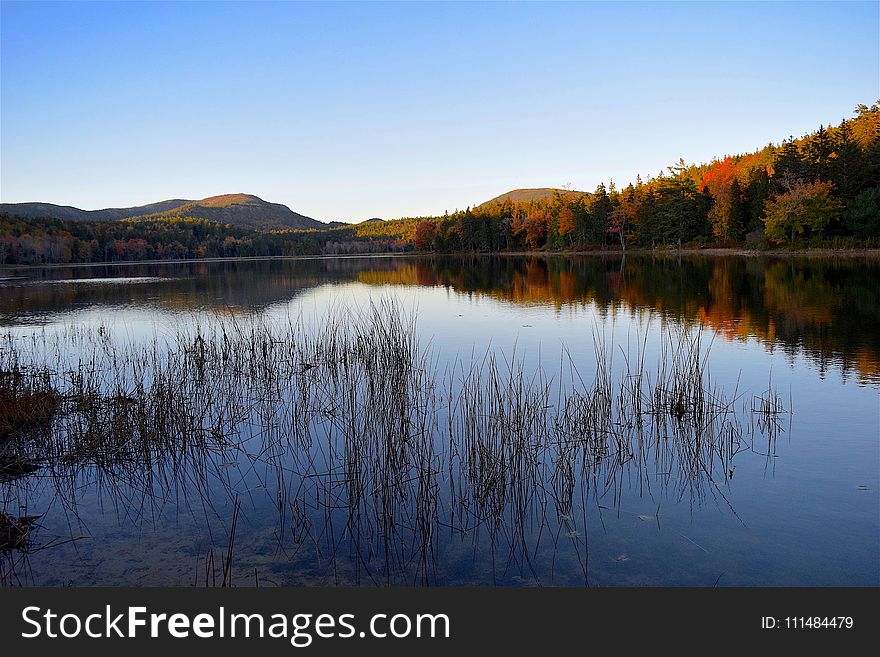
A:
(797, 505)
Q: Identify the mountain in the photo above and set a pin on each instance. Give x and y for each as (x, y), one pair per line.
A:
(242, 210)
(246, 211)
(69, 213)
(527, 195)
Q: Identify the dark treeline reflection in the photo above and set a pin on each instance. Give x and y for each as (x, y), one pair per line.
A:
(40, 294)
(827, 308)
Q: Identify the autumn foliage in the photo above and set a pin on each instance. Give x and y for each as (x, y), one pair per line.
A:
(823, 186)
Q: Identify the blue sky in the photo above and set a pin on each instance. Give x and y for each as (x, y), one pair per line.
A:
(349, 111)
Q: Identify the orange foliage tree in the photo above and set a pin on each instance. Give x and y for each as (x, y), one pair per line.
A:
(719, 180)
(536, 228)
(425, 235)
(566, 223)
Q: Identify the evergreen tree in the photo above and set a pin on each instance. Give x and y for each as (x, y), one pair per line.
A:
(847, 168)
(681, 209)
(756, 193)
(600, 208)
(872, 163)
(736, 229)
(788, 164)
(817, 154)
(862, 216)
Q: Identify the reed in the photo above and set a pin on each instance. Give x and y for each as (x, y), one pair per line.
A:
(368, 444)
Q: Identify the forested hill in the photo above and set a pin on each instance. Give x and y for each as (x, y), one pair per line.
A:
(240, 210)
(529, 195)
(70, 213)
(821, 189)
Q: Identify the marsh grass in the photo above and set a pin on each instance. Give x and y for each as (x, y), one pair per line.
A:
(14, 531)
(27, 402)
(368, 447)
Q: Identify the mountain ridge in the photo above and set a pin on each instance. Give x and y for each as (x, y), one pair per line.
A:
(243, 210)
(238, 209)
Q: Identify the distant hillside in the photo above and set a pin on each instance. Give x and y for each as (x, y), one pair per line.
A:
(242, 210)
(527, 195)
(821, 190)
(246, 211)
(69, 213)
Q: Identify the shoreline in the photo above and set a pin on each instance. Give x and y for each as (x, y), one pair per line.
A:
(713, 252)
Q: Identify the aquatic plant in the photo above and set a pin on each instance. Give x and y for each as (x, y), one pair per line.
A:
(367, 445)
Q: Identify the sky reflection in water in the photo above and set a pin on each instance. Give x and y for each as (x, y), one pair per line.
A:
(806, 515)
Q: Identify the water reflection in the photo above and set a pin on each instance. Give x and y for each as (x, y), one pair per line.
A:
(319, 467)
(351, 454)
(827, 309)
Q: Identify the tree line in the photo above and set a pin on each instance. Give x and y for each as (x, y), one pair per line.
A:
(820, 189)
(46, 240)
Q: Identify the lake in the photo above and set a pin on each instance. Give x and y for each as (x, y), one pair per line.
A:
(434, 421)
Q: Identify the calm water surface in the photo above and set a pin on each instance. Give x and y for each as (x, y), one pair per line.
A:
(796, 505)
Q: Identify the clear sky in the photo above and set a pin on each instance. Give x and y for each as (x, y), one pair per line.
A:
(350, 111)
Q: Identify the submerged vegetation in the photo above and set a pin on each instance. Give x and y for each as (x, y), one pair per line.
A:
(381, 463)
